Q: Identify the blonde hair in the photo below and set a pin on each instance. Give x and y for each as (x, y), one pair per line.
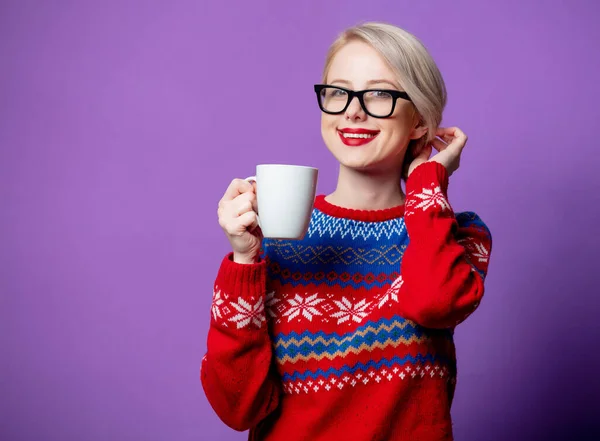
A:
(416, 71)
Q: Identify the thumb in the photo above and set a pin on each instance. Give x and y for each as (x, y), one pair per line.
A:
(420, 158)
(425, 153)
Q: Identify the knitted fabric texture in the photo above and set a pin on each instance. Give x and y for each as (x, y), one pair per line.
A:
(347, 334)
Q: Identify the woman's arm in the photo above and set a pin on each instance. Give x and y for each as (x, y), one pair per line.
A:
(236, 371)
(445, 263)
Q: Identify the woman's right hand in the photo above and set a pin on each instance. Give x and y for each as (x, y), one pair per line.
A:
(238, 218)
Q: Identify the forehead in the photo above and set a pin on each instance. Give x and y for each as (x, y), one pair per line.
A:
(357, 62)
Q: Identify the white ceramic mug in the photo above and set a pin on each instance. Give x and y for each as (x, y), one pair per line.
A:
(285, 197)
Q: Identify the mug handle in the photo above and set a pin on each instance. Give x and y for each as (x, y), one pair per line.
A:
(253, 179)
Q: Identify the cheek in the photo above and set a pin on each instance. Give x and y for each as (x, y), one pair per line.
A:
(328, 121)
(329, 124)
(397, 135)
(405, 118)
(400, 127)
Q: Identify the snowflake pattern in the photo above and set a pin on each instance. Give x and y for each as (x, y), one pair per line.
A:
(481, 253)
(271, 302)
(348, 311)
(428, 198)
(294, 306)
(248, 313)
(307, 306)
(391, 295)
(217, 303)
(475, 252)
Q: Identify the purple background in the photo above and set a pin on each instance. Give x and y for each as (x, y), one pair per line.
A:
(122, 123)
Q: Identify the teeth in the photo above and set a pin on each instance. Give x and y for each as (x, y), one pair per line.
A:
(357, 135)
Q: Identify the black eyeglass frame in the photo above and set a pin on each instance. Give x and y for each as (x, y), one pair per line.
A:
(395, 94)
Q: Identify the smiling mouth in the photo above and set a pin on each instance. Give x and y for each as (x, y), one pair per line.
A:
(358, 135)
(357, 139)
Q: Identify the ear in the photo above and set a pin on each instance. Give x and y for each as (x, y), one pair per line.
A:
(418, 132)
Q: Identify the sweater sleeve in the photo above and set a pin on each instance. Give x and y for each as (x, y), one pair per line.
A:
(236, 371)
(446, 260)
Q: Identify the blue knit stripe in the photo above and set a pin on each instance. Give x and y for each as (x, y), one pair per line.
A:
(468, 219)
(364, 367)
(337, 282)
(395, 321)
(324, 225)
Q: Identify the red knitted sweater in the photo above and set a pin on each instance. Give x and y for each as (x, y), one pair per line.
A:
(348, 333)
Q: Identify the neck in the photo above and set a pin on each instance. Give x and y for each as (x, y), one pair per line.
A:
(362, 190)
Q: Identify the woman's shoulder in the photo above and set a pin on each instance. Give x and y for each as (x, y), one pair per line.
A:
(472, 220)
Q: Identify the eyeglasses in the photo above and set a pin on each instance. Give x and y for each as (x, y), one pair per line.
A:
(378, 103)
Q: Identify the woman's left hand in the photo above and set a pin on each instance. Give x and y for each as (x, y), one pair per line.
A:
(449, 147)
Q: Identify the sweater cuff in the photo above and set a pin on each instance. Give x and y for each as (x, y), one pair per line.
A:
(426, 194)
(242, 280)
(427, 175)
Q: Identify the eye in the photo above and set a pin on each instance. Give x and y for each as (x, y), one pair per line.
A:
(379, 94)
(337, 93)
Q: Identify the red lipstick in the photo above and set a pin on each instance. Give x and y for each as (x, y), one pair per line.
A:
(361, 136)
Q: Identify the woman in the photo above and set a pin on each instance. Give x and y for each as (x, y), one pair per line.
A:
(347, 334)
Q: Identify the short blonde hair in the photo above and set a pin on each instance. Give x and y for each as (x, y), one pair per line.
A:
(416, 71)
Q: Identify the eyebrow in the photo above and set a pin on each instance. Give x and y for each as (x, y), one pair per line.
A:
(369, 83)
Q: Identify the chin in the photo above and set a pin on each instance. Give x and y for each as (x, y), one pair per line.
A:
(357, 158)
(371, 164)
(361, 164)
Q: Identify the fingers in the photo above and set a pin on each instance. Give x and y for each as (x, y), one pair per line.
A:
(447, 131)
(239, 225)
(244, 203)
(452, 135)
(238, 207)
(438, 144)
(249, 220)
(239, 197)
(236, 188)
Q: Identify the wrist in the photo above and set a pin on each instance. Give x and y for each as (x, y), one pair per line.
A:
(430, 171)
(245, 259)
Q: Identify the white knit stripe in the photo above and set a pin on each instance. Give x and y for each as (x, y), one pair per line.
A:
(324, 225)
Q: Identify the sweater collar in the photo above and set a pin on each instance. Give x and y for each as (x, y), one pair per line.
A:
(358, 215)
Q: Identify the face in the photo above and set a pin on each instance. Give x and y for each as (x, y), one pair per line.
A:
(357, 66)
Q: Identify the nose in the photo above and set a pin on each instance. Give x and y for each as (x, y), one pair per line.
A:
(355, 112)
